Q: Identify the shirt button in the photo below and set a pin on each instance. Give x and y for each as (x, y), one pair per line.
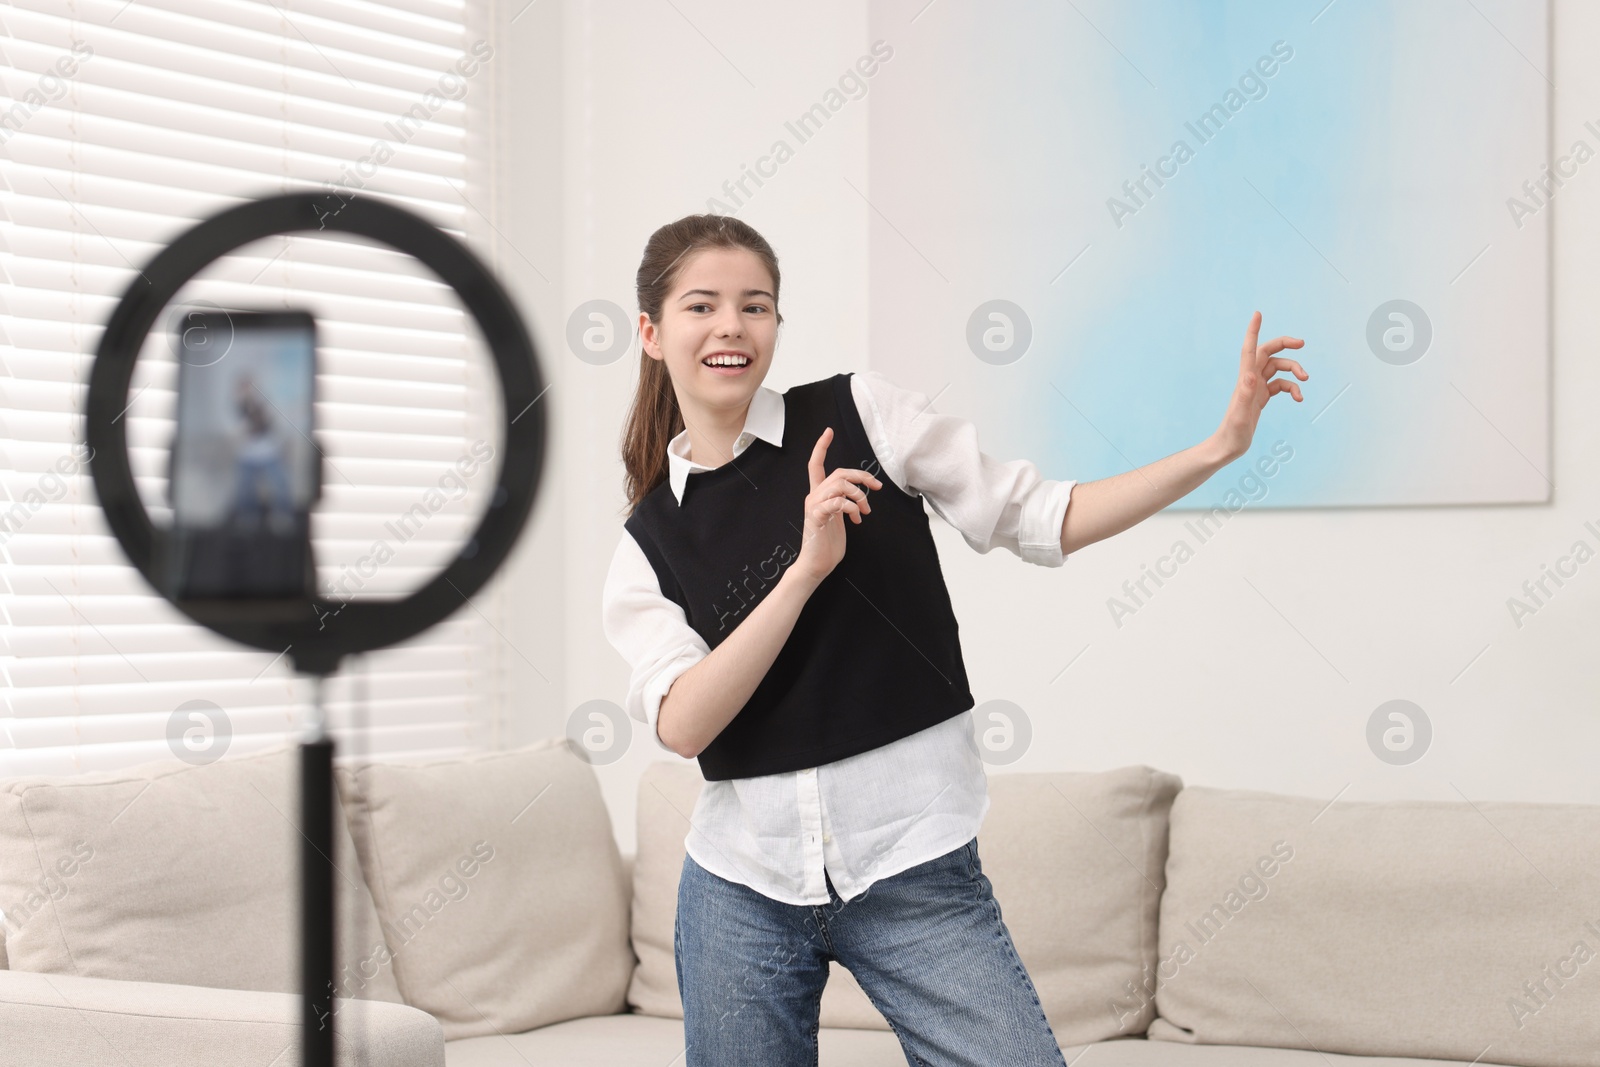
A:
(808, 770)
(827, 839)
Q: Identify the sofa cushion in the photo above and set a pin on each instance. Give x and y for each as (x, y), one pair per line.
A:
(634, 1040)
(1076, 860)
(648, 1041)
(1413, 928)
(66, 1021)
(1137, 1052)
(168, 872)
(499, 883)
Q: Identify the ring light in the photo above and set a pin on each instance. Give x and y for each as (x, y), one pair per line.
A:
(315, 643)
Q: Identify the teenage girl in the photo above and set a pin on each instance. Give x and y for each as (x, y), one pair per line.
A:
(813, 668)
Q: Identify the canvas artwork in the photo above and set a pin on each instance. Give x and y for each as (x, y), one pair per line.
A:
(1075, 208)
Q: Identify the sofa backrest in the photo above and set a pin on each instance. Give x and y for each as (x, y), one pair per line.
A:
(1076, 861)
(501, 899)
(499, 882)
(1461, 931)
(168, 872)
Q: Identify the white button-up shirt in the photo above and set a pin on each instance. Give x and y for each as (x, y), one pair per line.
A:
(879, 812)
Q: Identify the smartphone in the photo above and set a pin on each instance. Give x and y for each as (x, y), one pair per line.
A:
(244, 470)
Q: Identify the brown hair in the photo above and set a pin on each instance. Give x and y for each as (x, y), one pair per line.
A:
(654, 418)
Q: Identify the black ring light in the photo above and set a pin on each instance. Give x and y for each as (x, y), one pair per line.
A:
(314, 645)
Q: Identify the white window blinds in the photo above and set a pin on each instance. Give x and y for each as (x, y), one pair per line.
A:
(123, 124)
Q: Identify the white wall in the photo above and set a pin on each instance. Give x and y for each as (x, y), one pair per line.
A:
(639, 117)
(524, 154)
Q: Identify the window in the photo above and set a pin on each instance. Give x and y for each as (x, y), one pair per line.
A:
(125, 124)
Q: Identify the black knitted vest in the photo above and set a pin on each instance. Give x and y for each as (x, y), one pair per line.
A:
(874, 656)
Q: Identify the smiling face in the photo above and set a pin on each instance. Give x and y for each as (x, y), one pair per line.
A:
(721, 302)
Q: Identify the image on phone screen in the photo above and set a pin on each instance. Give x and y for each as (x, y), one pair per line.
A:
(244, 472)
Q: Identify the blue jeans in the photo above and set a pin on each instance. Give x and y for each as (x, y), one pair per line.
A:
(927, 945)
(256, 475)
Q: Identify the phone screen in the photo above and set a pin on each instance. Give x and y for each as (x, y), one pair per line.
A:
(244, 471)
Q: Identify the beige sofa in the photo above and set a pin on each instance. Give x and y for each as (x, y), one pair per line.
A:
(487, 918)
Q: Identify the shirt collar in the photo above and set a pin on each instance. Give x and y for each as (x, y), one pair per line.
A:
(764, 419)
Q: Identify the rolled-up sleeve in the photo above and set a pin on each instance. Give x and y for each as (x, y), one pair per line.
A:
(990, 502)
(649, 631)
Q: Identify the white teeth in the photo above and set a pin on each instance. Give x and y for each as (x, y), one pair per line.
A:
(725, 361)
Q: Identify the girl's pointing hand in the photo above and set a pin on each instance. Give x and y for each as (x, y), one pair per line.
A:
(832, 497)
(1255, 386)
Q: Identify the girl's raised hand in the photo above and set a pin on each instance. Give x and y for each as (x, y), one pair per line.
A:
(1255, 386)
(822, 538)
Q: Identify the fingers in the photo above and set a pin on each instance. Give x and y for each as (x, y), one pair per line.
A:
(823, 511)
(1278, 344)
(1248, 352)
(835, 493)
(842, 489)
(838, 496)
(1283, 385)
(818, 451)
(819, 473)
(856, 474)
(1275, 365)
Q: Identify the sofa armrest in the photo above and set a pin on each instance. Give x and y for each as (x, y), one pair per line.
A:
(54, 1020)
